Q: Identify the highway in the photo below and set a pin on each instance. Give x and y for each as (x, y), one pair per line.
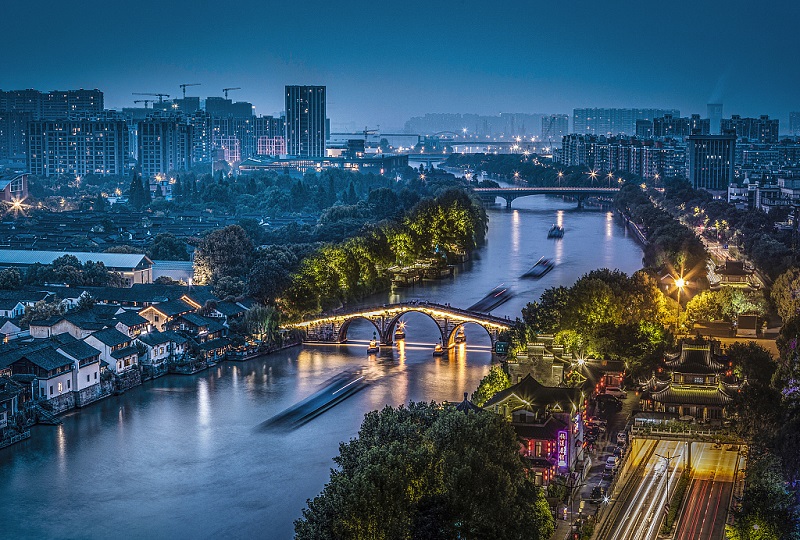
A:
(640, 510)
(706, 507)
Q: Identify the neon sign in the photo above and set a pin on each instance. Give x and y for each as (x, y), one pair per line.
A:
(562, 448)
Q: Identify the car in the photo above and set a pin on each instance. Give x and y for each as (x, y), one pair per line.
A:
(616, 391)
(596, 420)
(619, 451)
(611, 463)
(622, 438)
(607, 401)
(598, 492)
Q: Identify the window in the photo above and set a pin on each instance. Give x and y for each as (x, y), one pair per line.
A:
(60, 387)
(68, 384)
(95, 375)
(699, 380)
(88, 379)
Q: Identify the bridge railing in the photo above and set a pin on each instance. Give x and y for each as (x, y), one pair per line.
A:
(414, 305)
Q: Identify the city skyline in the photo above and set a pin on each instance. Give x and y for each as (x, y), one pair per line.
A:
(473, 59)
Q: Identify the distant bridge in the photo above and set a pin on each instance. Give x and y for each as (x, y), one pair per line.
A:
(333, 328)
(509, 194)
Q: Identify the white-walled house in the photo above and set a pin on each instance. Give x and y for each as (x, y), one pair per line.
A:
(115, 349)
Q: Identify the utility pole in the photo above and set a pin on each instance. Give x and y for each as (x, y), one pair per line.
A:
(668, 459)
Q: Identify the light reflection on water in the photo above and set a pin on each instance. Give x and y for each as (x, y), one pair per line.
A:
(180, 454)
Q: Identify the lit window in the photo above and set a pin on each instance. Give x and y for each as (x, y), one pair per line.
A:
(60, 388)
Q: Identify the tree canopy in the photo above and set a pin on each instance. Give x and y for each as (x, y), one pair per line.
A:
(428, 472)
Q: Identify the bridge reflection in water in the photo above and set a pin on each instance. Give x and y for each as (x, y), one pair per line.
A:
(488, 195)
(333, 328)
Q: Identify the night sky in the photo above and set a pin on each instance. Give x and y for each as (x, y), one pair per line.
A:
(386, 61)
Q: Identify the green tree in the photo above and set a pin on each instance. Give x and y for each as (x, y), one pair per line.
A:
(424, 471)
(786, 293)
(10, 279)
(166, 247)
(224, 252)
(495, 381)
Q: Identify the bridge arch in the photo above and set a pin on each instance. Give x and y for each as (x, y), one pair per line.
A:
(452, 335)
(342, 334)
(392, 325)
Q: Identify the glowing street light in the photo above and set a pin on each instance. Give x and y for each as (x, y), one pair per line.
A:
(593, 175)
(560, 176)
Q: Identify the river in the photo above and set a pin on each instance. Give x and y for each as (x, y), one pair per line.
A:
(181, 456)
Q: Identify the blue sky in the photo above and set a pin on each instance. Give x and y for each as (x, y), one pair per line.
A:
(386, 61)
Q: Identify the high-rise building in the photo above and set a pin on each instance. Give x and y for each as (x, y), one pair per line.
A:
(711, 160)
(165, 145)
(761, 129)
(670, 126)
(555, 126)
(223, 107)
(794, 124)
(596, 121)
(714, 117)
(74, 147)
(305, 121)
(14, 135)
(72, 104)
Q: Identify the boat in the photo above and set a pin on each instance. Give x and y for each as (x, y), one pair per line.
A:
(556, 231)
(400, 332)
(496, 296)
(373, 346)
(539, 269)
(460, 337)
(438, 350)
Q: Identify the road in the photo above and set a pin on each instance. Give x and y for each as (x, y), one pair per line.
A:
(706, 508)
(643, 491)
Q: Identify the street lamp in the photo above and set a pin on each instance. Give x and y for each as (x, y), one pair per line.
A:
(610, 178)
(560, 176)
(593, 175)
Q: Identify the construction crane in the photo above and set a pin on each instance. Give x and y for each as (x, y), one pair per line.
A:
(145, 101)
(367, 132)
(183, 87)
(160, 96)
(225, 91)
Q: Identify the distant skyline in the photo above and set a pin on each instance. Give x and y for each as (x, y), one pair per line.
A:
(385, 62)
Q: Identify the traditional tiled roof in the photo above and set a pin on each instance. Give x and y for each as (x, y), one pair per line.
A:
(695, 359)
(467, 406)
(153, 338)
(47, 358)
(692, 395)
(79, 350)
(111, 337)
(173, 308)
(194, 319)
(130, 318)
(541, 432)
(213, 344)
(230, 308)
(125, 351)
(534, 394)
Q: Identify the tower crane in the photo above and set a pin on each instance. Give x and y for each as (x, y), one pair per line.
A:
(145, 101)
(160, 96)
(183, 87)
(225, 90)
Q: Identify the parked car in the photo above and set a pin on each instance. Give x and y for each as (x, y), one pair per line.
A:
(622, 438)
(617, 392)
(611, 463)
(619, 451)
(595, 421)
(607, 401)
(598, 492)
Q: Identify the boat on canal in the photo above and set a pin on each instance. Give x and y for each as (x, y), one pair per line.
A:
(539, 269)
(373, 347)
(460, 337)
(556, 231)
(438, 350)
(493, 299)
(400, 332)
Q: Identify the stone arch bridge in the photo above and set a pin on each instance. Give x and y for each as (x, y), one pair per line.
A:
(333, 328)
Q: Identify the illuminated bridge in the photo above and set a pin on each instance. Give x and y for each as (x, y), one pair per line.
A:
(509, 194)
(333, 328)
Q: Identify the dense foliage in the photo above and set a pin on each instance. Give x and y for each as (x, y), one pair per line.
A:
(725, 304)
(495, 381)
(69, 270)
(606, 313)
(427, 472)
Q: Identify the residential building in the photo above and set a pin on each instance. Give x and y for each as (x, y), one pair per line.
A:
(14, 135)
(714, 117)
(306, 121)
(161, 315)
(711, 161)
(646, 158)
(115, 348)
(604, 121)
(794, 124)
(60, 104)
(555, 126)
(165, 145)
(378, 164)
(69, 147)
(161, 348)
(223, 107)
(761, 129)
(669, 126)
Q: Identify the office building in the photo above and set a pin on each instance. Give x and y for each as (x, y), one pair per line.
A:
(794, 124)
(555, 126)
(761, 129)
(73, 147)
(714, 117)
(711, 160)
(164, 146)
(598, 121)
(306, 121)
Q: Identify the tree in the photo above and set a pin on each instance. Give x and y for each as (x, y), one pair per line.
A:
(85, 302)
(263, 322)
(495, 381)
(786, 293)
(166, 247)
(224, 252)
(267, 279)
(424, 471)
(10, 279)
(41, 310)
